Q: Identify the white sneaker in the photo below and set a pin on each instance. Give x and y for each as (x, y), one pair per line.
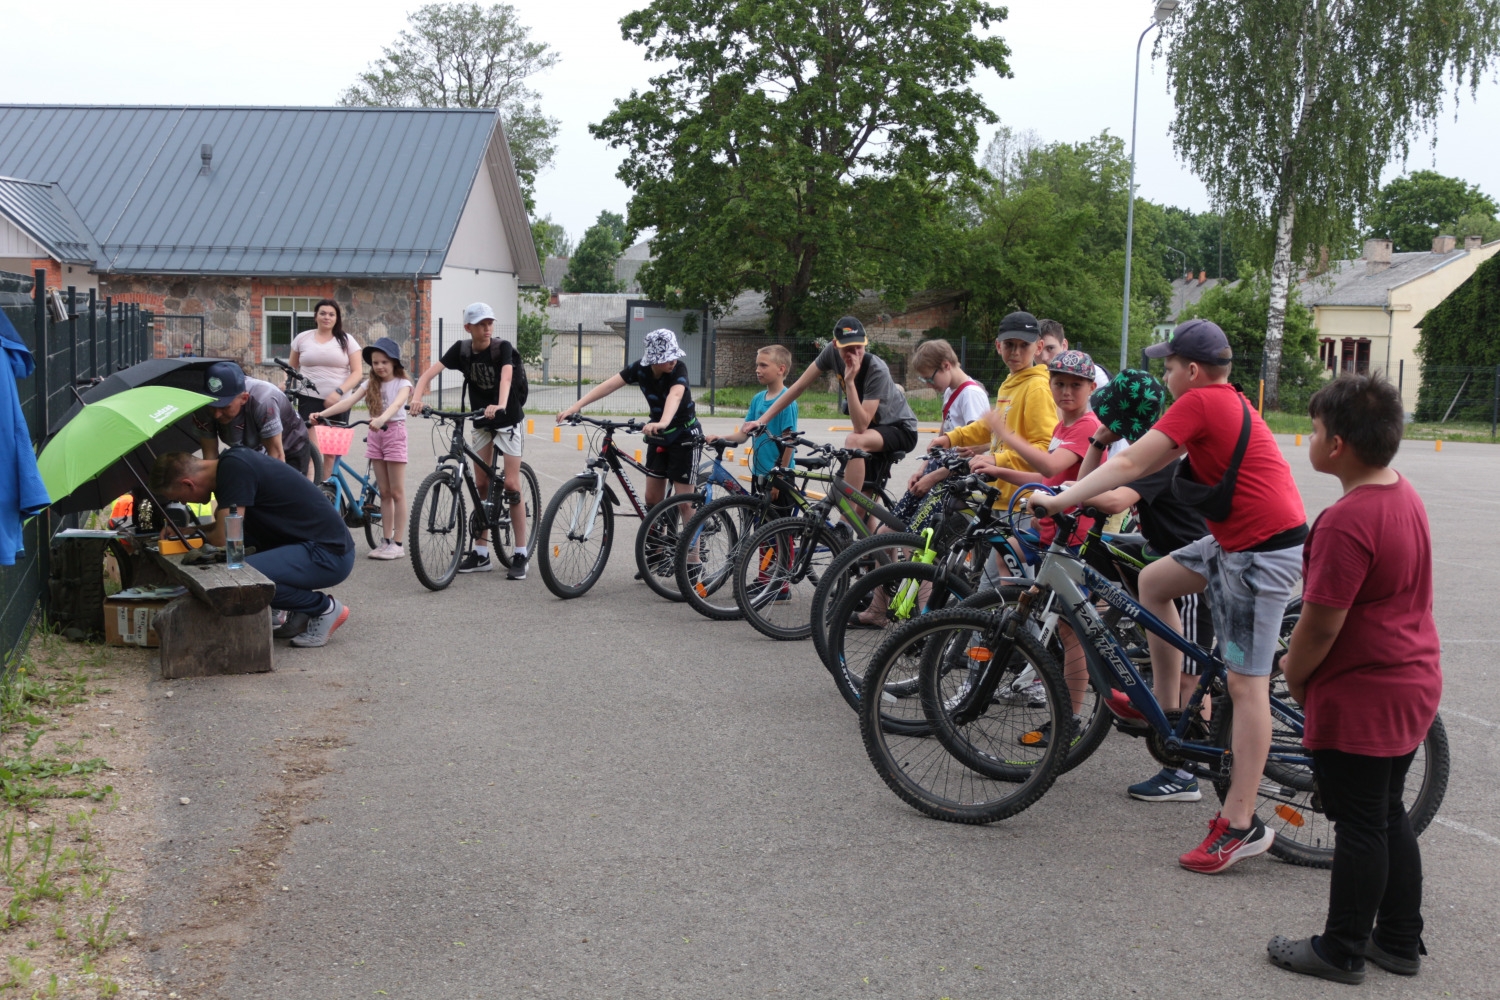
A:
(378, 552)
(392, 551)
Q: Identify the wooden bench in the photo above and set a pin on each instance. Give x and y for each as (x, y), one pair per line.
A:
(222, 625)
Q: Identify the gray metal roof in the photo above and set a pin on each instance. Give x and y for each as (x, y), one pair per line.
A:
(593, 310)
(44, 213)
(374, 192)
(1350, 283)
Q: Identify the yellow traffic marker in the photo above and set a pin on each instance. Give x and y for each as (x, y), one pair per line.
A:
(530, 426)
(580, 442)
(729, 452)
(1439, 445)
(1299, 440)
(556, 434)
(745, 461)
(638, 451)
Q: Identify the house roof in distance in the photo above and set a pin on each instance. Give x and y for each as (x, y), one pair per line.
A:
(43, 212)
(353, 192)
(1352, 283)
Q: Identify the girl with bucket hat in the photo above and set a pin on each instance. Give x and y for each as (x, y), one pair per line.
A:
(385, 394)
(673, 435)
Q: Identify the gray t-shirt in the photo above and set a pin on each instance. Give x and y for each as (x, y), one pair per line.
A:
(267, 413)
(873, 382)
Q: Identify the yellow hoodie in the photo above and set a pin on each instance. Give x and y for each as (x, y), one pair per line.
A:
(1025, 402)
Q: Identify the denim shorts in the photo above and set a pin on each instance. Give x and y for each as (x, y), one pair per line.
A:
(1247, 596)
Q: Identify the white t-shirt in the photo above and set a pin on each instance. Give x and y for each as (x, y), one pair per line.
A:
(972, 403)
(389, 390)
(325, 364)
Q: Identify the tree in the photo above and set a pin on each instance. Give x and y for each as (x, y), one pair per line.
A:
(799, 149)
(462, 55)
(551, 238)
(1240, 310)
(592, 266)
(1288, 110)
(1411, 210)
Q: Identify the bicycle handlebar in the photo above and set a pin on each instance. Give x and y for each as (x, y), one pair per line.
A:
(428, 411)
(631, 426)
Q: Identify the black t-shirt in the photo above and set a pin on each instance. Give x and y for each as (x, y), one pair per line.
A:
(281, 506)
(655, 388)
(1167, 522)
(482, 371)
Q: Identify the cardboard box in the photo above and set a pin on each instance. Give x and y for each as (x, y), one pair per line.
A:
(130, 623)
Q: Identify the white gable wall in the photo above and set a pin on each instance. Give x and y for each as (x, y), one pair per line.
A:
(478, 268)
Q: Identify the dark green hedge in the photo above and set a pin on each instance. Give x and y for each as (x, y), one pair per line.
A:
(1464, 328)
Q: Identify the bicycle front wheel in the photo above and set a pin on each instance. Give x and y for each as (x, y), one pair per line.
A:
(436, 531)
(656, 542)
(898, 718)
(574, 538)
(708, 550)
(859, 558)
(779, 569)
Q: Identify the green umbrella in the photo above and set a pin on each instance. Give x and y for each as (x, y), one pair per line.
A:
(102, 434)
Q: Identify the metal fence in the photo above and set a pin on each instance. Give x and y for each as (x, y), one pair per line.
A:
(72, 339)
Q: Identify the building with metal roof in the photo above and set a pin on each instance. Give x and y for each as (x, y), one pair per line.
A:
(403, 215)
(1368, 310)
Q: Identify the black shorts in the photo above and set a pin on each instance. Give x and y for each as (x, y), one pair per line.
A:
(672, 460)
(896, 439)
(1197, 626)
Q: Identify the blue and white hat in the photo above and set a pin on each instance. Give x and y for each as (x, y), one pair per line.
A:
(661, 347)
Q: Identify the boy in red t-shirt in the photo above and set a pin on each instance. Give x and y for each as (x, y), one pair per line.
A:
(1249, 565)
(1364, 663)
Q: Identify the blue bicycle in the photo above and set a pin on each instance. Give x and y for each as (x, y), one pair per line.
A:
(656, 542)
(357, 506)
(987, 769)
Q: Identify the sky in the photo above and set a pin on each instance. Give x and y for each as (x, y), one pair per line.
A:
(1072, 63)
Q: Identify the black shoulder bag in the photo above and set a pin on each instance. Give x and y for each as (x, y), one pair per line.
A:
(1213, 502)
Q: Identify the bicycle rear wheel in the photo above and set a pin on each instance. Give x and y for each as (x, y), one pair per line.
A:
(437, 529)
(859, 558)
(779, 569)
(656, 542)
(572, 553)
(504, 530)
(708, 550)
(903, 702)
(892, 595)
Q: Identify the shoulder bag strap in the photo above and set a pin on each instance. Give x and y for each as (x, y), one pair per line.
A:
(954, 398)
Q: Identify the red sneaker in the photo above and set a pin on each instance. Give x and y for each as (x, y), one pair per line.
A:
(1119, 703)
(1223, 846)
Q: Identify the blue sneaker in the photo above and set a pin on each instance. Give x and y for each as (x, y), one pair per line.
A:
(1166, 787)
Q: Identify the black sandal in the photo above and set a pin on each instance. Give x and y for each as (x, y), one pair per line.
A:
(1300, 956)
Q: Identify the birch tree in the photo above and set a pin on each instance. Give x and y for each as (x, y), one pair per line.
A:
(1288, 110)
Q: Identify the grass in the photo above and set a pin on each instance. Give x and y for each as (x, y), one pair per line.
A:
(1301, 423)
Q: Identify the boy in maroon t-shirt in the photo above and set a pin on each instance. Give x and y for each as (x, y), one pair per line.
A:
(1249, 565)
(1364, 663)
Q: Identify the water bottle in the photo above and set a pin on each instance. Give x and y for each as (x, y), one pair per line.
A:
(234, 539)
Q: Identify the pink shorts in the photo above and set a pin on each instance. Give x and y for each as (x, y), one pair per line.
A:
(387, 444)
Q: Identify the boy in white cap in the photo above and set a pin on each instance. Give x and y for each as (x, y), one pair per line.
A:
(673, 434)
(489, 365)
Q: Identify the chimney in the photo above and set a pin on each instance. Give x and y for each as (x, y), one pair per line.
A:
(1473, 242)
(207, 152)
(1202, 277)
(1442, 244)
(1377, 255)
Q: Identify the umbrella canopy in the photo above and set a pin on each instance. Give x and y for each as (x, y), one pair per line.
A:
(177, 373)
(84, 463)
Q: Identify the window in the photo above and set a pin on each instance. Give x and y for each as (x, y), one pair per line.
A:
(1328, 355)
(1354, 356)
(277, 316)
(588, 355)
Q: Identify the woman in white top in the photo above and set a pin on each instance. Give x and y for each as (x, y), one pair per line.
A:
(328, 355)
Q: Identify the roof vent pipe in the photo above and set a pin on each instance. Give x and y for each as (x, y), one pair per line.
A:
(207, 152)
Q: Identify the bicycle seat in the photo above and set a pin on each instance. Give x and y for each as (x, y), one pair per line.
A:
(897, 456)
(812, 463)
(1132, 545)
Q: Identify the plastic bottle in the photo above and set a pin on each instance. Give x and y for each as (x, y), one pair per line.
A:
(234, 539)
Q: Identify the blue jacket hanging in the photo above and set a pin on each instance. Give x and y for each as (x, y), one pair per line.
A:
(21, 491)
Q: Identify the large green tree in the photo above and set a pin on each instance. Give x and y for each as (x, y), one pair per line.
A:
(463, 55)
(592, 266)
(1288, 110)
(799, 148)
(1411, 210)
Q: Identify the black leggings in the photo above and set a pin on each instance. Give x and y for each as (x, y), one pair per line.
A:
(1377, 867)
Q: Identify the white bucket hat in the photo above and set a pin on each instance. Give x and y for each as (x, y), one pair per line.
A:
(661, 347)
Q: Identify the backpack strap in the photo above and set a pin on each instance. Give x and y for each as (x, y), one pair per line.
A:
(954, 398)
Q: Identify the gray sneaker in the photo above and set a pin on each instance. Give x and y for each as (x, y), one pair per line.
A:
(517, 569)
(320, 627)
(291, 625)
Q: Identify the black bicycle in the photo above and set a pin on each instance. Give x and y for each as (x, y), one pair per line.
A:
(441, 526)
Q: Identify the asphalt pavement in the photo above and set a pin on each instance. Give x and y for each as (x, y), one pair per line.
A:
(614, 797)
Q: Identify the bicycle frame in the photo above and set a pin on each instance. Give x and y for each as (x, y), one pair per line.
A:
(466, 458)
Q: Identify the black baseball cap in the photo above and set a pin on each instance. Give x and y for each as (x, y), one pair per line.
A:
(1198, 340)
(849, 331)
(224, 381)
(1019, 326)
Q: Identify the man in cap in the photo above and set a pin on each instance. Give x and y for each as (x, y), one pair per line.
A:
(251, 413)
(884, 424)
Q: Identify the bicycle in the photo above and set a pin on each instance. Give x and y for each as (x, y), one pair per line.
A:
(357, 507)
(955, 697)
(304, 397)
(584, 508)
(780, 564)
(440, 526)
(656, 541)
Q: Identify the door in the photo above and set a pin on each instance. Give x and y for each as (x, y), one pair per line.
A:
(641, 317)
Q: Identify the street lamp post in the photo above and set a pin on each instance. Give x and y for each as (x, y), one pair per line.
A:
(1164, 10)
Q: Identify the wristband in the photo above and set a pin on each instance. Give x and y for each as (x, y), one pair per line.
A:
(339, 391)
(1097, 444)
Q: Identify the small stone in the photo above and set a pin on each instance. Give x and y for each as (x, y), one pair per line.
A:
(286, 888)
(185, 800)
(169, 694)
(34, 825)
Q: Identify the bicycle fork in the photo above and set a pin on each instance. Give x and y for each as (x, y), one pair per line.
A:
(573, 534)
